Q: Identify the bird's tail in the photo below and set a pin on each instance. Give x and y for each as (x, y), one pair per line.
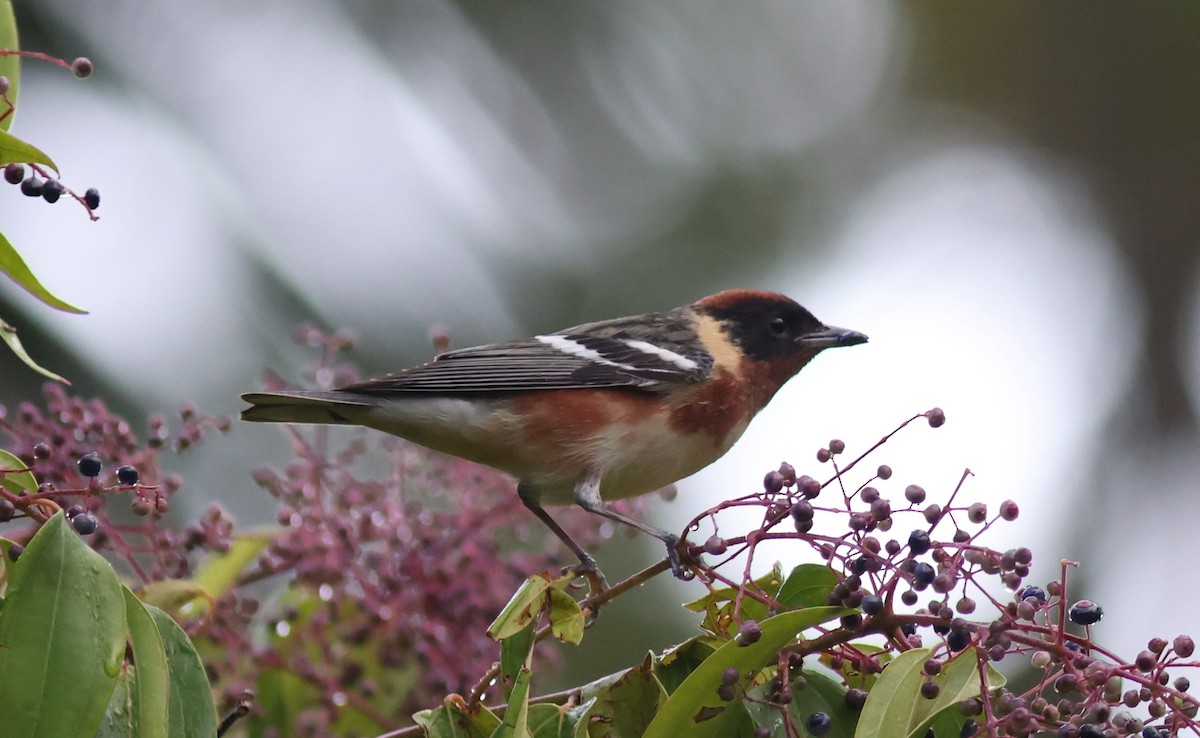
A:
(302, 406)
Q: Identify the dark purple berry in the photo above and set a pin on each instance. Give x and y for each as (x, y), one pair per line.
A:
(1145, 661)
(85, 523)
(727, 692)
(127, 475)
(914, 493)
(933, 513)
(1036, 593)
(818, 724)
(82, 67)
(930, 689)
(31, 187)
(788, 472)
(823, 455)
(977, 512)
(802, 512)
(715, 546)
(1184, 646)
(957, 641)
(41, 450)
(808, 486)
(749, 633)
(918, 542)
(1085, 612)
(773, 482)
(89, 464)
(91, 198)
(1009, 510)
(52, 189)
(923, 575)
(872, 604)
(15, 551)
(730, 675)
(14, 173)
(837, 446)
(936, 417)
(7, 509)
(855, 699)
(884, 472)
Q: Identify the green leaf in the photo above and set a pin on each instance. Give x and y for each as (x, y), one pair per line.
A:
(959, 680)
(191, 704)
(515, 654)
(10, 66)
(5, 544)
(8, 334)
(555, 721)
(118, 719)
(151, 676)
(677, 663)
(895, 706)
(522, 609)
(849, 670)
(17, 482)
(719, 617)
(947, 724)
(172, 594)
(14, 150)
(566, 619)
(452, 721)
(220, 573)
(515, 723)
(819, 693)
(695, 711)
(627, 701)
(807, 586)
(63, 624)
(18, 271)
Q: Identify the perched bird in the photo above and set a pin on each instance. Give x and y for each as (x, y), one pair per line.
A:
(602, 411)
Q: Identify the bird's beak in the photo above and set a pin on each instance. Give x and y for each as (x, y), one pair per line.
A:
(831, 337)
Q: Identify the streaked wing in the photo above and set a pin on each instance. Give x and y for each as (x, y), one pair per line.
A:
(605, 354)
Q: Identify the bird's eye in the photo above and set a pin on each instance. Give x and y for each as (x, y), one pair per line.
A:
(778, 326)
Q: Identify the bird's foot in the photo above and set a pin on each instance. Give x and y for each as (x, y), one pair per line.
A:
(680, 559)
(589, 570)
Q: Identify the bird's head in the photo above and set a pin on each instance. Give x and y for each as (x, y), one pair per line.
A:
(771, 332)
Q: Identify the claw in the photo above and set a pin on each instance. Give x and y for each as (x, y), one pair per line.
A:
(597, 584)
(680, 561)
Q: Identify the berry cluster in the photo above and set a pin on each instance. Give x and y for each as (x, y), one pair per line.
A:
(83, 457)
(39, 183)
(883, 569)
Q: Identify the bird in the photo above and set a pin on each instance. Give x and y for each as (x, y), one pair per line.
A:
(597, 412)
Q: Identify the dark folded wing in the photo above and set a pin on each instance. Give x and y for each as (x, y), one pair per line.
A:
(596, 355)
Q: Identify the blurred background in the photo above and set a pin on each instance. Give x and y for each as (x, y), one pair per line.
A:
(1002, 196)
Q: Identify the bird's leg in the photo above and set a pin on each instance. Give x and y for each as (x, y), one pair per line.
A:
(587, 568)
(587, 496)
